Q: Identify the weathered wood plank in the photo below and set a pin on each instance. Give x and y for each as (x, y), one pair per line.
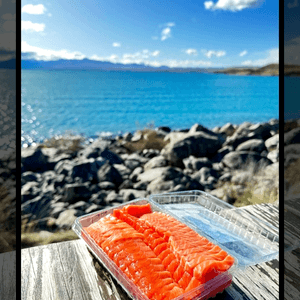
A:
(8, 276)
(292, 274)
(60, 271)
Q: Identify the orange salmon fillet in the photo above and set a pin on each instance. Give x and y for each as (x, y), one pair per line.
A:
(163, 257)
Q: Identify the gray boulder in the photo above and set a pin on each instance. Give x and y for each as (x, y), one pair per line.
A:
(123, 170)
(29, 191)
(255, 145)
(138, 135)
(272, 143)
(79, 205)
(66, 218)
(158, 186)
(75, 192)
(131, 194)
(221, 153)
(107, 185)
(92, 208)
(292, 137)
(203, 174)
(165, 173)
(196, 164)
(33, 159)
(241, 159)
(126, 184)
(134, 175)
(59, 181)
(273, 156)
(141, 185)
(64, 167)
(30, 176)
(127, 136)
(87, 169)
(198, 145)
(228, 129)
(135, 156)
(156, 162)
(225, 177)
(132, 163)
(150, 153)
(109, 173)
(110, 156)
(94, 150)
(114, 197)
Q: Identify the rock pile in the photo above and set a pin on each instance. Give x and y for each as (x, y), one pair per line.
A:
(59, 185)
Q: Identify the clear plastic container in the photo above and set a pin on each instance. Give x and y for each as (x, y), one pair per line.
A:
(249, 240)
(207, 290)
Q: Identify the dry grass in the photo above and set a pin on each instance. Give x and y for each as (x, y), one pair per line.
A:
(290, 125)
(259, 186)
(65, 142)
(150, 140)
(31, 239)
(7, 221)
(292, 178)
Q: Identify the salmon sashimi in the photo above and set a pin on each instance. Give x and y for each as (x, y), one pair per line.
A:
(192, 248)
(163, 257)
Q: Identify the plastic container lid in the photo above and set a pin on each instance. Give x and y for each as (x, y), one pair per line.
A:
(249, 240)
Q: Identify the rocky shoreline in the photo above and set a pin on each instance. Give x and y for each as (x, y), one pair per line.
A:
(64, 179)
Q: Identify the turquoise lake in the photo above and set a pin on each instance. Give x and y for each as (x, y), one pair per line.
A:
(93, 102)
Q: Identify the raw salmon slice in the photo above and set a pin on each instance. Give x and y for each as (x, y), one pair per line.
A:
(137, 210)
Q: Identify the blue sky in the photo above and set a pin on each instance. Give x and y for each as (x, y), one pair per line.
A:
(175, 33)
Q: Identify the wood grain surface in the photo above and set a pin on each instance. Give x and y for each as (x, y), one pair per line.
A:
(69, 271)
(8, 276)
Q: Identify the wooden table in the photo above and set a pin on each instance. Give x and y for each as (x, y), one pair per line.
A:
(68, 271)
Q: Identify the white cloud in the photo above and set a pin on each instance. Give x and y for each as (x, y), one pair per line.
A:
(29, 26)
(138, 55)
(212, 53)
(186, 63)
(155, 53)
(243, 53)
(272, 58)
(208, 4)
(47, 54)
(191, 51)
(166, 32)
(38, 9)
(232, 5)
(170, 24)
(116, 45)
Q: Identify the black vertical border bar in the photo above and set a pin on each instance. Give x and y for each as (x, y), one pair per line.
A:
(281, 149)
(18, 148)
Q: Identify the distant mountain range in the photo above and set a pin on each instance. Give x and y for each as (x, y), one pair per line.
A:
(87, 64)
(8, 64)
(268, 70)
